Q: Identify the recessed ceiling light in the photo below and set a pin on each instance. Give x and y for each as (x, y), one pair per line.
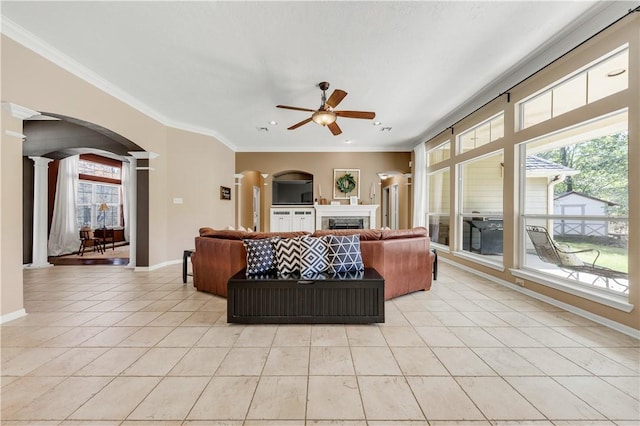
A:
(616, 72)
(273, 123)
(376, 123)
(347, 141)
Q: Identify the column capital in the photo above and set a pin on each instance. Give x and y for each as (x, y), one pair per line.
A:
(18, 111)
(40, 161)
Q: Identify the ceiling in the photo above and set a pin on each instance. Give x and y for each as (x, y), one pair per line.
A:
(221, 68)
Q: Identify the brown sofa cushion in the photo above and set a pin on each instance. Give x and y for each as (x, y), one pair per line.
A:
(365, 234)
(394, 234)
(224, 234)
(261, 235)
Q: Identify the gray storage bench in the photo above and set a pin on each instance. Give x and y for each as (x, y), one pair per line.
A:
(344, 298)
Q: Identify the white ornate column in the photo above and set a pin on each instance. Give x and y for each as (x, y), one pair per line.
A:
(40, 202)
(238, 184)
(132, 189)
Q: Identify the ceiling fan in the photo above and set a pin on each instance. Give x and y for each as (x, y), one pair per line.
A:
(326, 115)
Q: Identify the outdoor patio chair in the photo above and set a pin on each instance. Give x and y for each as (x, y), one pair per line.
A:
(550, 252)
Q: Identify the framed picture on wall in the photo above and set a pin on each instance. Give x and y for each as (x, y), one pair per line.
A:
(346, 183)
(225, 193)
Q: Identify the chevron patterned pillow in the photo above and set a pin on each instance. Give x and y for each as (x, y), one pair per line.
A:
(287, 255)
(313, 256)
(344, 253)
(260, 255)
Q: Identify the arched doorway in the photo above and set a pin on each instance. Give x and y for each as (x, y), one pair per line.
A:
(55, 137)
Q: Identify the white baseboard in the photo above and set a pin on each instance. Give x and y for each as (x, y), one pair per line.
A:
(629, 331)
(156, 266)
(12, 316)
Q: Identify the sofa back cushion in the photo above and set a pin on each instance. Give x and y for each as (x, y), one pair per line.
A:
(365, 234)
(314, 256)
(344, 253)
(261, 235)
(224, 234)
(396, 234)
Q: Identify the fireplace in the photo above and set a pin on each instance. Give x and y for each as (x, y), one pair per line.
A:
(346, 216)
(346, 223)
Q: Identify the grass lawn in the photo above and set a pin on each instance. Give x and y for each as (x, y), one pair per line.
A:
(615, 258)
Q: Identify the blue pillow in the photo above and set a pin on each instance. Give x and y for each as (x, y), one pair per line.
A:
(344, 253)
(313, 256)
(260, 255)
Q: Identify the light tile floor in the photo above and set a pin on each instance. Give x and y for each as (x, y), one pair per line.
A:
(103, 345)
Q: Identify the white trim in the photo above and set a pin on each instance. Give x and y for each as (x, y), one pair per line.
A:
(157, 266)
(611, 300)
(145, 168)
(13, 316)
(629, 331)
(30, 41)
(477, 259)
(18, 111)
(144, 155)
(405, 147)
(38, 266)
(15, 134)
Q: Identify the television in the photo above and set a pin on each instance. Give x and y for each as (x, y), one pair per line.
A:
(292, 192)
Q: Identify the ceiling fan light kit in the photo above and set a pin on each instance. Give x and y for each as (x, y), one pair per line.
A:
(326, 115)
(323, 117)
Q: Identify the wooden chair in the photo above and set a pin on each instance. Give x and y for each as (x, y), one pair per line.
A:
(550, 252)
(87, 239)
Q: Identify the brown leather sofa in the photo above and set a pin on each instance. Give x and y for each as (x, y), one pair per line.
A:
(402, 257)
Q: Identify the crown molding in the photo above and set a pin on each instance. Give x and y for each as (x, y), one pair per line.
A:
(319, 148)
(50, 53)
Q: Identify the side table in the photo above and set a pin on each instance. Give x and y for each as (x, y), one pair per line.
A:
(187, 254)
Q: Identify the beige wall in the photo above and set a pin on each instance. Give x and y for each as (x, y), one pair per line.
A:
(11, 294)
(321, 165)
(190, 165)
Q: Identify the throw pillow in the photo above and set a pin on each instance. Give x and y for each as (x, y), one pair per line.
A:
(287, 255)
(313, 256)
(260, 256)
(344, 253)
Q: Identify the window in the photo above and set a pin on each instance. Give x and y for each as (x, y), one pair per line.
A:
(99, 193)
(99, 170)
(482, 134)
(438, 154)
(606, 76)
(576, 192)
(438, 209)
(480, 200)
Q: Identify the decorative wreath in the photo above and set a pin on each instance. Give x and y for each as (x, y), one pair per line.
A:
(346, 183)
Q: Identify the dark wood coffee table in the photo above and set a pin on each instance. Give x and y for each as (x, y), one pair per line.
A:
(349, 298)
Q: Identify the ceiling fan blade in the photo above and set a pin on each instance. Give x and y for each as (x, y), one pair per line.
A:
(336, 97)
(355, 114)
(295, 108)
(335, 129)
(303, 122)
